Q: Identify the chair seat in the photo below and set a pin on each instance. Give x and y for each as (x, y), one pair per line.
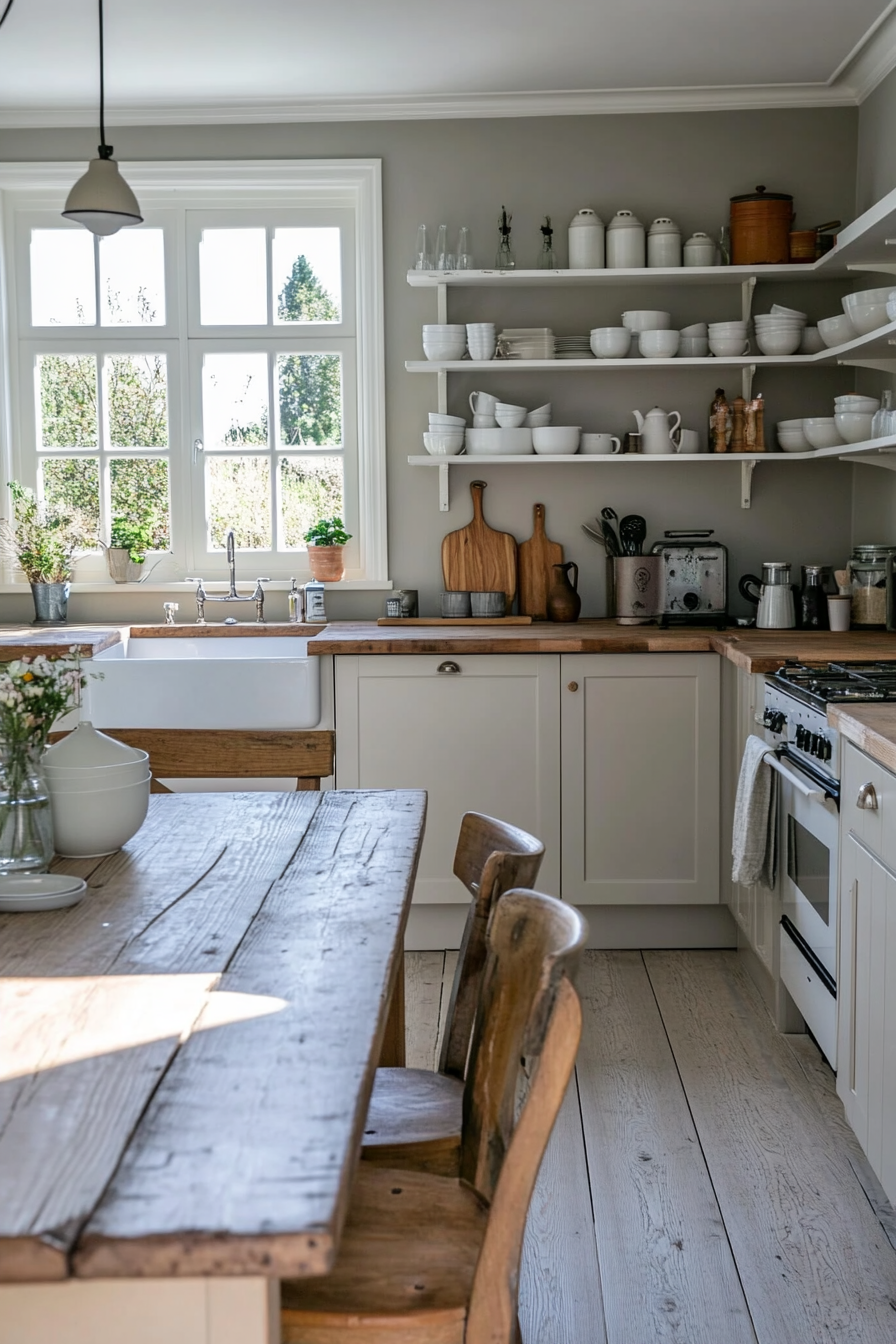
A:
(405, 1266)
(414, 1120)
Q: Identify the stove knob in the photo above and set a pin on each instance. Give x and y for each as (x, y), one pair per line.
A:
(780, 722)
(690, 601)
(813, 744)
(827, 750)
(800, 736)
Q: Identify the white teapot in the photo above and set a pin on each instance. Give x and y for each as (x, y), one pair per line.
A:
(656, 430)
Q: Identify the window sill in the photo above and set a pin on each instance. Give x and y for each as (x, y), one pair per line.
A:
(275, 586)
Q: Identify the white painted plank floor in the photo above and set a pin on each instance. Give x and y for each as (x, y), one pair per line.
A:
(701, 1185)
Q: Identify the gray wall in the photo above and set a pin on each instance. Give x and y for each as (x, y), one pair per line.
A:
(461, 172)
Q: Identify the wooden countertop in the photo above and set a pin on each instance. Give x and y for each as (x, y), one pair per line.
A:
(765, 650)
(26, 641)
(217, 630)
(872, 727)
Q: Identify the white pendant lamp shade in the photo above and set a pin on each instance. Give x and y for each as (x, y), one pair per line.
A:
(101, 200)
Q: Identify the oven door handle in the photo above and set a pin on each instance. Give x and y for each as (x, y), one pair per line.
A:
(770, 759)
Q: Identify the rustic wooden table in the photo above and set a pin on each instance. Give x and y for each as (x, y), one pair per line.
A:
(185, 1062)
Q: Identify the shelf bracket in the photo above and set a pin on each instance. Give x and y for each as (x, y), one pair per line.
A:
(746, 483)
(442, 391)
(442, 304)
(444, 500)
(746, 298)
(747, 374)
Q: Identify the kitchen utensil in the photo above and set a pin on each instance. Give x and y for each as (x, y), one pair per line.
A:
(774, 601)
(610, 517)
(477, 558)
(536, 558)
(760, 228)
(594, 534)
(564, 603)
(632, 531)
(694, 578)
(637, 583)
(656, 431)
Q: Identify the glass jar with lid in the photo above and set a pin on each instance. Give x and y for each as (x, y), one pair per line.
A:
(868, 584)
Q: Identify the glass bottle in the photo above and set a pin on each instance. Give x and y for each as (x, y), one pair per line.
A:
(26, 824)
(464, 250)
(725, 245)
(812, 610)
(868, 585)
(881, 421)
(546, 259)
(444, 258)
(505, 260)
(423, 254)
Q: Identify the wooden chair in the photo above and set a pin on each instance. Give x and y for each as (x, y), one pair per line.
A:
(428, 1259)
(414, 1118)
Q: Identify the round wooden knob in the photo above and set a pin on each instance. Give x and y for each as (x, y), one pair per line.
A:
(573, 686)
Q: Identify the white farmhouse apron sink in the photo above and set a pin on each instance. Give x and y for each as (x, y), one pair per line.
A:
(208, 682)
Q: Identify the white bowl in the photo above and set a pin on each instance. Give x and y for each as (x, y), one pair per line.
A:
(821, 431)
(509, 416)
(693, 347)
(853, 426)
(537, 421)
(444, 351)
(780, 311)
(498, 442)
(727, 327)
(867, 309)
(444, 329)
(611, 342)
(646, 319)
(791, 437)
(444, 443)
(695, 329)
(855, 402)
(86, 826)
(557, 439)
(891, 309)
(726, 347)
(796, 423)
(785, 343)
(811, 342)
(778, 324)
(659, 344)
(437, 421)
(836, 330)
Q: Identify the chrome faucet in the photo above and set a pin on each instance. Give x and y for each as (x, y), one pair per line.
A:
(233, 596)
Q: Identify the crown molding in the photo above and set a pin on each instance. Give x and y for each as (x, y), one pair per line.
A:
(871, 60)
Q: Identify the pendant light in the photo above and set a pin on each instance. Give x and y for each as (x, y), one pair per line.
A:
(101, 200)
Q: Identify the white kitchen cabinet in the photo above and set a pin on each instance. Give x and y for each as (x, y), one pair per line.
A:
(640, 778)
(866, 1038)
(481, 738)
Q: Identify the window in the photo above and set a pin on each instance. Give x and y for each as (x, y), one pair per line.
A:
(219, 366)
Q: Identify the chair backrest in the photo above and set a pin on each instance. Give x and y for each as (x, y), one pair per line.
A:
(490, 858)
(522, 1056)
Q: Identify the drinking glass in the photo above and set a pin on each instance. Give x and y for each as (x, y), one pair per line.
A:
(422, 256)
(465, 250)
(444, 258)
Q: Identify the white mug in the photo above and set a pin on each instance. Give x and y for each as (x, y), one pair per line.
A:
(483, 403)
(688, 441)
(600, 444)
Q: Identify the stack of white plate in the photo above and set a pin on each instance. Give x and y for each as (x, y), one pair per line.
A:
(572, 347)
(527, 343)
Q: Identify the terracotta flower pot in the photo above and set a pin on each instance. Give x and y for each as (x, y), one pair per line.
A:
(327, 563)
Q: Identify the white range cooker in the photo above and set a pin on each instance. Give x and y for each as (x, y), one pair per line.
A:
(807, 758)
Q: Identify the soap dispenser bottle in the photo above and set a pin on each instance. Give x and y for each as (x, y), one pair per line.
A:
(294, 603)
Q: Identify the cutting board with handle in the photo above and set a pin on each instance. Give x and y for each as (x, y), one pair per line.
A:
(536, 557)
(477, 559)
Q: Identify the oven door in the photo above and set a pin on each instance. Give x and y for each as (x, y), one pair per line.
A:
(808, 864)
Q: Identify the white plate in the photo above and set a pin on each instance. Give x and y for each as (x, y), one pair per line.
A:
(40, 891)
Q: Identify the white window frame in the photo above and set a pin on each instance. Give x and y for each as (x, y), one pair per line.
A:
(238, 187)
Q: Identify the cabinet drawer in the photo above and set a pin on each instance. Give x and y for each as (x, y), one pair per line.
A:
(875, 827)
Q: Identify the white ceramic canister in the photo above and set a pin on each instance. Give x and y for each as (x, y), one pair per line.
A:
(664, 243)
(700, 250)
(626, 243)
(586, 241)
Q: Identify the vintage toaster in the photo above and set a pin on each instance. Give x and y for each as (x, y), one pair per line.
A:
(693, 579)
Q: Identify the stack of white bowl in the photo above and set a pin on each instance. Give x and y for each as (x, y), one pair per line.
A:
(867, 310)
(611, 342)
(444, 340)
(482, 340)
(779, 332)
(446, 435)
(791, 438)
(727, 340)
(99, 792)
(540, 417)
(694, 342)
(853, 415)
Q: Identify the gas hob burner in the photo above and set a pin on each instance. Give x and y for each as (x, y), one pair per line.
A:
(829, 683)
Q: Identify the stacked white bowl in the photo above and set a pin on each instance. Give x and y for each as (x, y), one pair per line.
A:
(446, 435)
(728, 339)
(867, 309)
(853, 415)
(611, 342)
(99, 792)
(540, 417)
(791, 438)
(481, 340)
(443, 340)
(836, 330)
(661, 344)
(510, 416)
(779, 332)
(694, 343)
(821, 431)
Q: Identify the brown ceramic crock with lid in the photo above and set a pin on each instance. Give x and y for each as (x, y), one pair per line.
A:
(760, 228)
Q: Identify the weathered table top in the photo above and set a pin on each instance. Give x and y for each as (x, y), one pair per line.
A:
(186, 1056)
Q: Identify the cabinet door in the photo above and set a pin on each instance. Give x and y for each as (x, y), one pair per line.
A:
(483, 739)
(640, 752)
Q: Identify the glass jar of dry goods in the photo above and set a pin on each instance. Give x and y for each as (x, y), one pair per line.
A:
(868, 584)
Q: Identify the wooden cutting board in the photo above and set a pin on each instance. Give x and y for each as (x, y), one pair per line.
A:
(536, 556)
(476, 558)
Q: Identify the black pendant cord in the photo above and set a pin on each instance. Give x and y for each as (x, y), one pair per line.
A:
(3, 16)
(105, 150)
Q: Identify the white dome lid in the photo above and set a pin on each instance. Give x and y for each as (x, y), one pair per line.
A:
(625, 219)
(586, 218)
(699, 237)
(664, 225)
(85, 746)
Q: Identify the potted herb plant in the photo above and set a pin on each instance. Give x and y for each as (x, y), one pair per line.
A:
(128, 544)
(326, 543)
(43, 542)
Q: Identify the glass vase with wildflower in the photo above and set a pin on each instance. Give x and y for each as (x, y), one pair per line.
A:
(34, 693)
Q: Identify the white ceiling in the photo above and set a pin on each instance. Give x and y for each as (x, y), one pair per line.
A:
(232, 60)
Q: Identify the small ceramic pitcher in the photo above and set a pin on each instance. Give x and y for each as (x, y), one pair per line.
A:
(564, 603)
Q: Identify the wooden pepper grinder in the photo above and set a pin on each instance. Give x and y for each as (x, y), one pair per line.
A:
(719, 422)
(754, 430)
(738, 406)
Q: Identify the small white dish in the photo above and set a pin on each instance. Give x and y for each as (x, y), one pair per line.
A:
(40, 891)
(780, 311)
(560, 440)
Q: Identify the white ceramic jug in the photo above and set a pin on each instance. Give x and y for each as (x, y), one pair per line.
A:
(656, 430)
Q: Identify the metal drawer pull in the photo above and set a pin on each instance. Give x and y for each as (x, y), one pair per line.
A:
(573, 686)
(448, 667)
(792, 778)
(867, 798)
